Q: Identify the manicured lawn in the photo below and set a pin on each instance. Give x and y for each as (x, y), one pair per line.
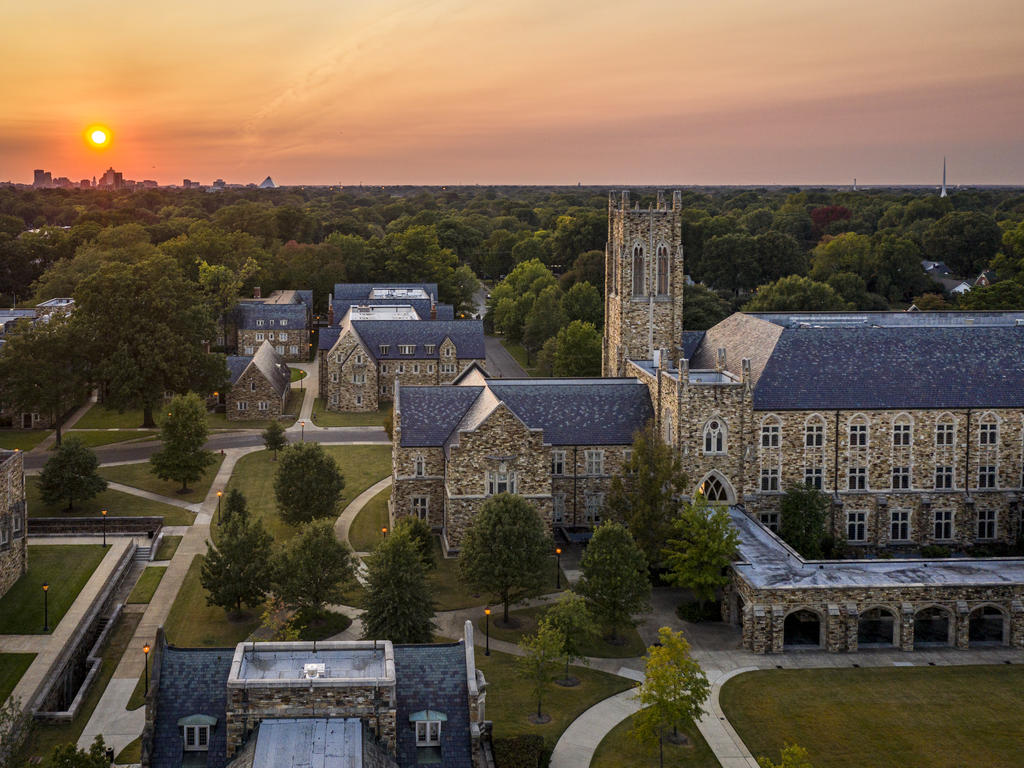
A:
(44, 736)
(511, 701)
(101, 417)
(324, 418)
(65, 568)
(362, 466)
(131, 754)
(594, 646)
(619, 750)
(146, 586)
(365, 533)
(297, 373)
(448, 592)
(21, 439)
(139, 476)
(97, 437)
(117, 504)
(168, 546)
(940, 717)
(518, 351)
(12, 667)
(291, 410)
(192, 622)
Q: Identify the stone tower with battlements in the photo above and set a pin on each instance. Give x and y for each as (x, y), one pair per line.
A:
(643, 283)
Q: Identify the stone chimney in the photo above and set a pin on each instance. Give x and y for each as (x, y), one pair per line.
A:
(720, 362)
(745, 377)
(433, 308)
(256, 293)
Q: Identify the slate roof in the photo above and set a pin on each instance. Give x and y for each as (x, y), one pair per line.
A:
(889, 319)
(192, 681)
(570, 411)
(269, 364)
(433, 677)
(328, 337)
(306, 297)
(237, 364)
(691, 341)
(248, 312)
(885, 368)
(468, 336)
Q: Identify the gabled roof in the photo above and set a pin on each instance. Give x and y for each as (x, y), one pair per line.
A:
(269, 364)
(248, 312)
(467, 335)
(430, 414)
(433, 678)
(328, 337)
(884, 368)
(691, 341)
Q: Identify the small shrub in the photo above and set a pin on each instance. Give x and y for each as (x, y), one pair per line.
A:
(524, 751)
(934, 551)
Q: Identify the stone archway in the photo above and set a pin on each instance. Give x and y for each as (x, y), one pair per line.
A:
(933, 626)
(715, 488)
(877, 628)
(802, 629)
(987, 625)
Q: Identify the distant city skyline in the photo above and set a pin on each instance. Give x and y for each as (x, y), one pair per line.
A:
(519, 92)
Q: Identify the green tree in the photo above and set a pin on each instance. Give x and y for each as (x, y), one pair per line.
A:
(44, 369)
(235, 570)
(577, 350)
(966, 240)
(505, 551)
(1006, 294)
(70, 474)
(70, 756)
(931, 302)
(398, 604)
(778, 254)
(183, 432)
(703, 308)
(222, 285)
(537, 664)
(145, 325)
(570, 618)
(422, 536)
(802, 515)
(513, 298)
(796, 294)
(614, 577)
(308, 483)
(274, 437)
(793, 756)
(313, 569)
(584, 302)
(234, 503)
(848, 252)
(643, 497)
(702, 546)
(673, 691)
(543, 320)
(730, 262)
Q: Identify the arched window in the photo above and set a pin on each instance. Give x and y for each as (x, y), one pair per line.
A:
(902, 431)
(714, 489)
(666, 420)
(663, 270)
(638, 270)
(714, 436)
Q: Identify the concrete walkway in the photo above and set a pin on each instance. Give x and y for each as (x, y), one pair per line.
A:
(311, 386)
(344, 522)
(129, 489)
(47, 442)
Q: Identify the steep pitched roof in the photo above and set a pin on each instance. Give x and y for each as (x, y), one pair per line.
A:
(872, 368)
(433, 677)
(691, 341)
(328, 337)
(467, 335)
(742, 336)
(269, 364)
(193, 681)
(430, 414)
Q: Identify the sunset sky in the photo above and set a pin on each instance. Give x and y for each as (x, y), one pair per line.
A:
(516, 91)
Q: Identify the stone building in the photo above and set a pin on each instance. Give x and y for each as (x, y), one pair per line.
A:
(284, 319)
(13, 519)
(359, 703)
(376, 346)
(556, 442)
(259, 385)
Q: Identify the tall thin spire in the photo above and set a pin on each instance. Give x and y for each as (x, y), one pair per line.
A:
(943, 193)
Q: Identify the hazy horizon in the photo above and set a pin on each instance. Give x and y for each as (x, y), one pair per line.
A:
(521, 92)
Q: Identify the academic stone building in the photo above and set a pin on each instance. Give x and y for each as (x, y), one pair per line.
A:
(912, 423)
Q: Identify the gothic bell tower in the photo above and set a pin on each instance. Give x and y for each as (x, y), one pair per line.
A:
(643, 282)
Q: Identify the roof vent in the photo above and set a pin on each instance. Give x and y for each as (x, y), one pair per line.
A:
(313, 671)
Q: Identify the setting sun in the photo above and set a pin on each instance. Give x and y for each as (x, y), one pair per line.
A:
(98, 136)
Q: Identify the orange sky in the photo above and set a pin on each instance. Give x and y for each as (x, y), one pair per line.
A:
(517, 91)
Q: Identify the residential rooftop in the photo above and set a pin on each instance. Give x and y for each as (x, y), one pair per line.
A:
(323, 663)
(382, 312)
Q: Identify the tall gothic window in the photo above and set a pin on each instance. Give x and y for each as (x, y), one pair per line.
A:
(663, 270)
(714, 437)
(638, 270)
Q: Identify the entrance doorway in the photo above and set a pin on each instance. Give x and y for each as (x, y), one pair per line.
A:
(931, 627)
(876, 628)
(986, 626)
(802, 629)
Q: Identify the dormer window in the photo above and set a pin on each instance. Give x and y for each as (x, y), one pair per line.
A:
(406, 349)
(260, 323)
(430, 348)
(284, 323)
(428, 734)
(195, 732)
(384, 348)
(427, 723)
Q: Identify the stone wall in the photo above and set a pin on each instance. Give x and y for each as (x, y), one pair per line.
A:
(297, 338)
(13, 520)
(253, 388)
(90, 526)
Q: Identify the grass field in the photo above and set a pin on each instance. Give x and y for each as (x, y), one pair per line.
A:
(619, 750)
(146, 586)
(138, 476)
(934, 717)
(192, 622)
(117, 504)
(97, 437)
(512, 702)
(12, 667)
(131, 754)
(518, 351)
(44, 736)
(65, 568)
(101, 417)
(21, 439)
(361, 465)
(168, 546)
(594, 646)
(324, 418)
(365, 533)
(297, 374)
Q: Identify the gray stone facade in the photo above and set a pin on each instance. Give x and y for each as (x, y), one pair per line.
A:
(292, 344)
(260, 386)
(13, 520)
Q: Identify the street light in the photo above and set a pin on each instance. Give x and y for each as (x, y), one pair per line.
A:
(558, 567)
(487, 616)
(46, 607)
(104, 513)
(145, 650)
(384, 531)
(303, 425)
(219, 494)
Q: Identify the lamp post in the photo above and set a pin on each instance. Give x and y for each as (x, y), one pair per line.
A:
(303, 425)
(104, 513)
(219, 494)
(384, 531)
(487, 617)
(558, 567)
(46, 607)
(145, 650)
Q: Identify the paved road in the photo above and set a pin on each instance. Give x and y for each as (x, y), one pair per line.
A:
(500, 363)
(113, 454)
